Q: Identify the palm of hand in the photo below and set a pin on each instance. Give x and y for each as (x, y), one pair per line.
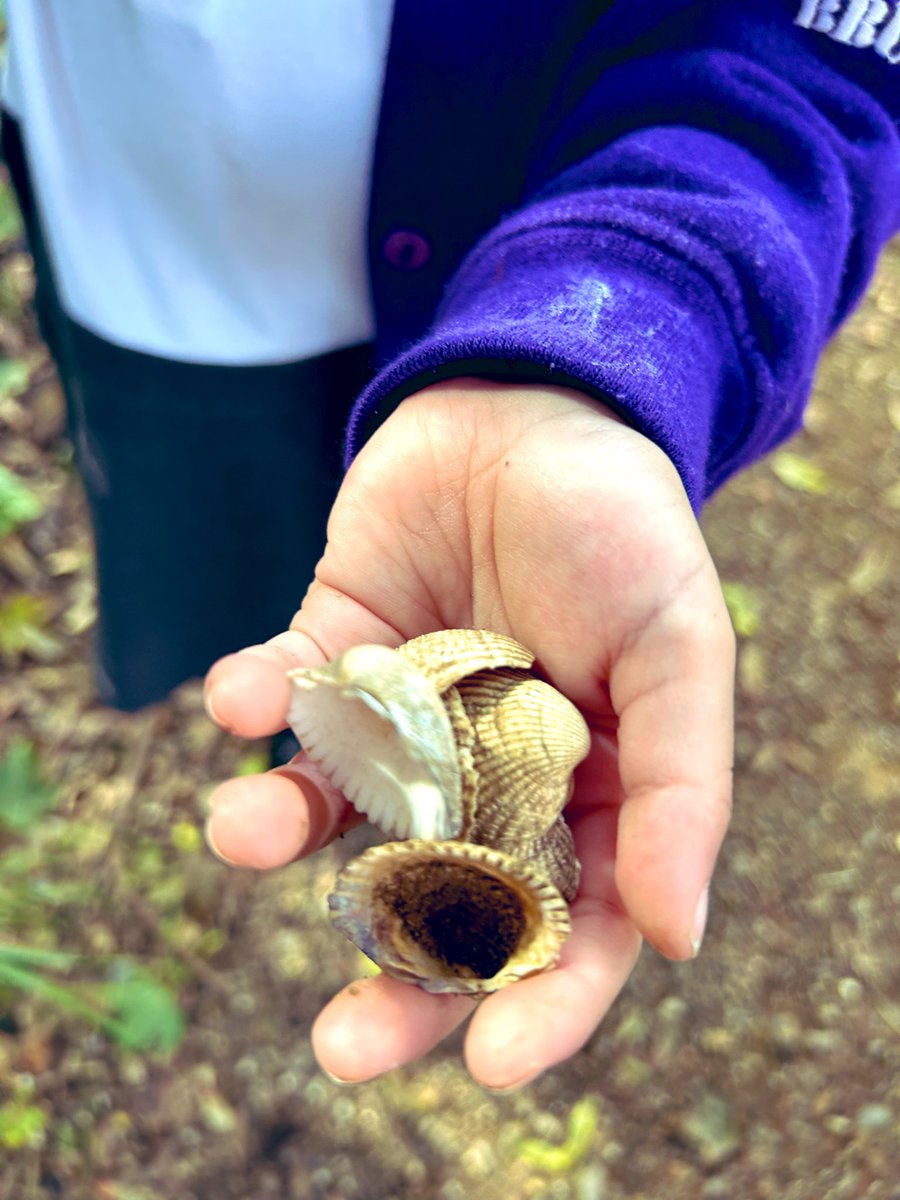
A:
(533, 512)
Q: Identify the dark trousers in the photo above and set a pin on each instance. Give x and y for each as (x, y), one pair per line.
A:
(208, 487)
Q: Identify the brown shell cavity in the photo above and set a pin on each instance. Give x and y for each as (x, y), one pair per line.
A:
(449, 655)
(450, 916)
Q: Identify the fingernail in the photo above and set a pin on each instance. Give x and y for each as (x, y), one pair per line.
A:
(510, 1087)
(356, 1082)
(699, 925)
(337, 1079)
(209, 703)
(207, 833)
(516, 1085)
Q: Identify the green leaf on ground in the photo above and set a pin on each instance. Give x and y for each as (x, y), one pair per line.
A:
(18, 503)
(21, 1125)
(35, 956)
(23, 621)
(254, 763)
(800, 473)
(186, 837)
(133, 1008)
(25, 795)
(68, 999)
(10, 217)
(147, 1016)
(582, 1129)
(15, 374)
(743, 608)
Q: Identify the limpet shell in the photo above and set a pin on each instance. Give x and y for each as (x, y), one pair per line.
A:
(450, 916)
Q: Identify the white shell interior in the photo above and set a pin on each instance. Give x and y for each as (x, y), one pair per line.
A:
(396, 765)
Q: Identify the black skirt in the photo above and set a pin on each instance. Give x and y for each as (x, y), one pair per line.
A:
(208, 487)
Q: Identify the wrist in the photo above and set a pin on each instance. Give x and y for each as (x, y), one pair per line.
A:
(530, 398)
(477, 426)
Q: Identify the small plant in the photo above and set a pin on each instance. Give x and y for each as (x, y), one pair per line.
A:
(21, 1125)
(582, 1128)
(18, 503)
(254, 763)
(23, 629)
(25, 795)
(122, 1000)
(10, 219)
(130, 1005)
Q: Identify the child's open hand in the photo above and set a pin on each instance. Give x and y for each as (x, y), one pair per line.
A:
(535, 512)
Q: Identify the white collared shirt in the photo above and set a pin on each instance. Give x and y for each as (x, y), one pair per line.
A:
(202, 167)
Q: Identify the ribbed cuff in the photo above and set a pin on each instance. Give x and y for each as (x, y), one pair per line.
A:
(590, 307)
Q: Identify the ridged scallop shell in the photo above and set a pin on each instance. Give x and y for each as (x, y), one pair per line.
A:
(449, 655)
(528, 740)
(450, 916)
(464, 736)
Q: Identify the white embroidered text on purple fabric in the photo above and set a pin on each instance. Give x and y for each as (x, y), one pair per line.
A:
(864, 24)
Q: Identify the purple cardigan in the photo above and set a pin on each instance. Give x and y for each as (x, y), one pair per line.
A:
(667, 205)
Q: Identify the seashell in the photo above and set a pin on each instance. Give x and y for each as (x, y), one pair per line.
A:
(528, 741)
(464, 737)
(449, 655)
(450, 916)
(451, 741)
(378, 729)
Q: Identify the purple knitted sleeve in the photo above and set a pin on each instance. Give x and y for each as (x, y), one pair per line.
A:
(689, 274)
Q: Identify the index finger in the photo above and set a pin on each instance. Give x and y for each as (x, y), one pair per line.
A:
(247, 693)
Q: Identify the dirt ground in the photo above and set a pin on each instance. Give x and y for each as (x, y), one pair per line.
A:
(770, 1067)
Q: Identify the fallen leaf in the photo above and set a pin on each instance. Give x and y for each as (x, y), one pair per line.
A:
(10, 218)
(743, 607)
(25, 795)
(147, 1016)
(800, 474)
(254, 763)
(15, 374)
(582, 1129)
(18, 503)
(22, 630)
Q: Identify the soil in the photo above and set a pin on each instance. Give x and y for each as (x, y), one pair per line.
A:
(770, 1067)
